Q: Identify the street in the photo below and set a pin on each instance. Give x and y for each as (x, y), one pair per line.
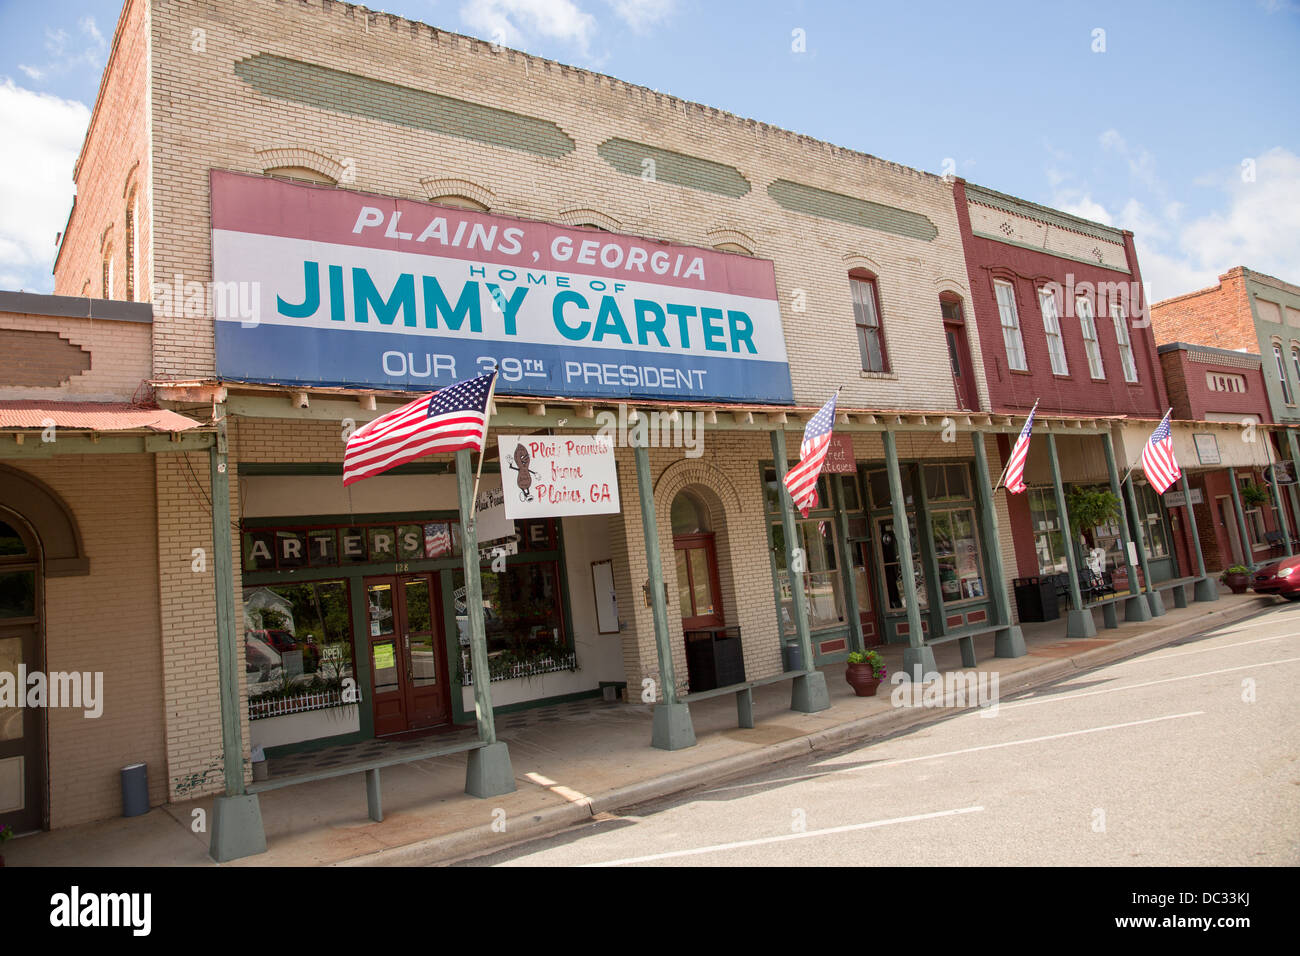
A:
(1183, 756)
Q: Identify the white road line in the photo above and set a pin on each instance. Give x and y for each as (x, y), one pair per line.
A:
(719, 847)
(1151, 683)
(1157, 658)
(954, 753)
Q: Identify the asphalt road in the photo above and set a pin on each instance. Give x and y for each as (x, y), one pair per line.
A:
(1189, 755)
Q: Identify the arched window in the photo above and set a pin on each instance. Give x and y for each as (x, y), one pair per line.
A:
(301, 173)
(107, 286)
(132, 246)
(1281, 373)
(689, 516)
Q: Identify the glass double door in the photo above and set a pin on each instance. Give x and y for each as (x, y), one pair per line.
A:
(410, 689)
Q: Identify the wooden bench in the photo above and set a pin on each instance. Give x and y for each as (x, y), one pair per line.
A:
(965, 638)
(744, 692)
(1109, 612)
(1179, 587)
(371, 768)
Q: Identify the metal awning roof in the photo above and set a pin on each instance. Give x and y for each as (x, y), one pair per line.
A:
(92, 416)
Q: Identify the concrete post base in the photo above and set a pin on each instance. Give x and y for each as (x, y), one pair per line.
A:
(1080, 624)
(672, 728)
(1137, 609)
(1156, 603)
(808, 694)
(1009, 642)
(1206, 590)
(236, 828)
(918, 657)
(488, 772)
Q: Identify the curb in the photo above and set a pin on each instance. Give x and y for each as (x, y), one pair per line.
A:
(480, 840)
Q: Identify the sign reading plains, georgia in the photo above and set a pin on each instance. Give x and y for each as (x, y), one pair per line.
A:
(546, 476)
(361, 290)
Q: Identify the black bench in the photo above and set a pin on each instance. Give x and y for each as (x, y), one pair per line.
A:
(371, 768)
(744, 692)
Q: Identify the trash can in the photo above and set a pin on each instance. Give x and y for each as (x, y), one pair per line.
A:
(135, 790)
(1036, 599)
(792, 654)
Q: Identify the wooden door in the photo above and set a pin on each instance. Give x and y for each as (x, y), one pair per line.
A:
(22, 729)
(697, 581)
(409, 685)
(959, 357)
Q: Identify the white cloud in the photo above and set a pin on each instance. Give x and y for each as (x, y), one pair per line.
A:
(1257, 227)
(514, 22)
(67, 52)
(36, 182)
(1078, 203)
(641, 15)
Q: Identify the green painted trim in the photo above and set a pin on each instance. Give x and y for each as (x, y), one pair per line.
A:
(396, 517)
(1191, 523)
(1125, 537)
(655, 575)
(680, 169)
(1056, 254)
(308, 84)
(1069, 540)
(1030, 210)
(903, 540)
(929, 560)
(68, 443)
(1139, 536)
(845, 558)
(361, 657)
(801, 629)
(1248, 558)
(856, 212)
(327, 468)
(229, 656)
(988, 517)
(478, 658)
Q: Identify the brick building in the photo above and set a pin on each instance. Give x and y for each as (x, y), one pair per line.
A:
(265, 174)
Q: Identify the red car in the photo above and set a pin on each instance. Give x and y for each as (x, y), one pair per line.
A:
(1281, 577)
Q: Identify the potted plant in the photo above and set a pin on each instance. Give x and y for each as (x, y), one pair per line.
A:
(1237, 578)
(6, 834)
(864, 673)
(1252, 495)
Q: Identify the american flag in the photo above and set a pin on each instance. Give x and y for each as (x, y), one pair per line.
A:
(447, 420)
(801, 480)
(1014, 480)
(1158, 461)
(437, 540)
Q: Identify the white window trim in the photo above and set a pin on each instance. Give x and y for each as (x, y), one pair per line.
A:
(1019, 344)
(1127, 361)
(1052, 328)
(1091, 346)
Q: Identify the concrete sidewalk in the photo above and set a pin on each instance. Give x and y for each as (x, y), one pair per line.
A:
(572, 762)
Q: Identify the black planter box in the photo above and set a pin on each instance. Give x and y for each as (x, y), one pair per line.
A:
(1036, 599)
(714, 658)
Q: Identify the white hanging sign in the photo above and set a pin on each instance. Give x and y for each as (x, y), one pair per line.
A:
(548, 476)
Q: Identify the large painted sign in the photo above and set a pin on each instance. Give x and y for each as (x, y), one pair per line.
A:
(546, 476)
(348, 289)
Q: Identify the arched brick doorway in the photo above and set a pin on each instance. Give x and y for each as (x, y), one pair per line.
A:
(23, 751)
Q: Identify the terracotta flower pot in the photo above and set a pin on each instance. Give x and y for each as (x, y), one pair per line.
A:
(860, 679)
(1238, 583)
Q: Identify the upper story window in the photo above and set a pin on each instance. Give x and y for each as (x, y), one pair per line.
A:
(1015, 345)
(1295, 361)
(1220, 382)
(132, 248)
(1125, 344)
(1281, 374)
(866, 316)
(1091, 347)
(108, 275)
(460, 202)
(1052, 326)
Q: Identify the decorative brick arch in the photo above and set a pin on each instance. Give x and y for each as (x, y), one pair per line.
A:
(50, 518)
(436, 186)
(858, 260)
(735, 237)
(581, 217)
(283, 156)
(686, 472)
(952, 287)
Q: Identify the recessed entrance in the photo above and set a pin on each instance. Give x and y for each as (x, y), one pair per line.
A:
(409, 687)
(22, 729)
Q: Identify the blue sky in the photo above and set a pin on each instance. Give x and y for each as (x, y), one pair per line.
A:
(1179, 122)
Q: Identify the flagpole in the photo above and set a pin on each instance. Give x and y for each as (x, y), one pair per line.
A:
(487, 416)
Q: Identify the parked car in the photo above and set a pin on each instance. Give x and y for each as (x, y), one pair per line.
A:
(1281, 577)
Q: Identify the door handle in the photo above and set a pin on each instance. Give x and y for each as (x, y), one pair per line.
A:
(406, 640)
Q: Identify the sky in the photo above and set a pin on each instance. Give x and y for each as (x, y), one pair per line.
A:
(1177, 120)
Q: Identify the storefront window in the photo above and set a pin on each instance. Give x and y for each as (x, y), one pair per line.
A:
(957, 552)
(1049, 542)
(1150, 514)
(823, 584)
(289, 549)
(522, 612)
(297, 638)
(773, 502)
(878, 486)
(892, 566)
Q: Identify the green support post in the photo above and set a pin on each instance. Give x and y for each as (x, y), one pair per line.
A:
(1154, 602)
(1294, 447)
(236, 816)
(671, 727)
(1204, 589)
(488, 772)
(845, 558)
(925, 528)
(1009, 640)
(1135, 606)
(1247, 553)
(918, 657)
(1281, 511)
(1079, 622)
(808, 693)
